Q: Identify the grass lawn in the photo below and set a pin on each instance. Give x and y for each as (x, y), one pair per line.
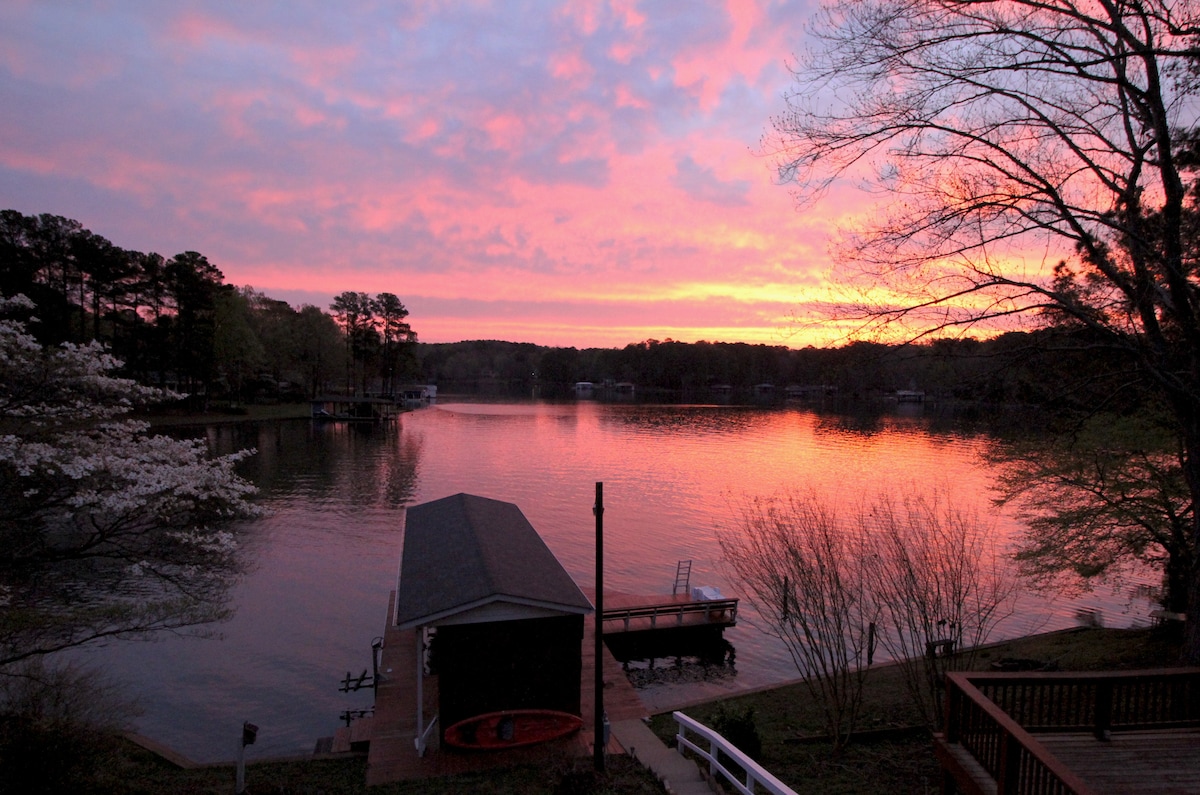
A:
(903, 761)
(131, 770)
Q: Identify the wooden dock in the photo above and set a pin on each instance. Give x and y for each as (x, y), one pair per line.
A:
(392, 754)
(624, 613)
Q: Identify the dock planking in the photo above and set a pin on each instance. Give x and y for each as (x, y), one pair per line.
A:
(625, 613)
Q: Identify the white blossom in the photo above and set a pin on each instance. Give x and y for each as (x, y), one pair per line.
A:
(97, 511)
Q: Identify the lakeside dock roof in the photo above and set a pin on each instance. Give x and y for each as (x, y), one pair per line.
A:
(471, 559)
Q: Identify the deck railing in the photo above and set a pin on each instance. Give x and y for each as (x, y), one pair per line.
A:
(715, 611)
(753, 776)
(994, 718)
(1099, 702)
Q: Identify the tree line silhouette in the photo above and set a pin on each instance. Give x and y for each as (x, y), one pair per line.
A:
(176, 322)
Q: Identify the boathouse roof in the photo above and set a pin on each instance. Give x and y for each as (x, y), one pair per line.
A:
(470, 559)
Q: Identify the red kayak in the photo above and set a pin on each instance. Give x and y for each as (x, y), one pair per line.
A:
(515, 728)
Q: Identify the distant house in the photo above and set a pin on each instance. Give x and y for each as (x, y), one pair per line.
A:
(498, 616)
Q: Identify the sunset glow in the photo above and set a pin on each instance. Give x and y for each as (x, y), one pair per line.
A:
(584, 174)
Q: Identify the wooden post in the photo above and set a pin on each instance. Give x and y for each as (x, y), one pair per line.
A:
(1104, 710)
(952, 717)
(376, 650)
(1009, 779)
(598, 743)
(419, 741)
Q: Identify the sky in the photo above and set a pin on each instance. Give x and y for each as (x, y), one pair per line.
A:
(563, 173)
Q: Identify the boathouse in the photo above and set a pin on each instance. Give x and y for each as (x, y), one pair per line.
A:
(497, 617)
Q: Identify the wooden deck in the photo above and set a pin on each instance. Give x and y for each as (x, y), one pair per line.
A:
(393, 757)
(1163, 762)
(1086, 733)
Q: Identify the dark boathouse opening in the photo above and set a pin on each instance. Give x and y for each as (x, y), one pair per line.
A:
(521, 664)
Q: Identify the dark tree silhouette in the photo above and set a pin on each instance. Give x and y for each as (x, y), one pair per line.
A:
(1003, 128)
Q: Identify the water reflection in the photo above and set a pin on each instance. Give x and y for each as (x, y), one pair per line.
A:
(703, 658)
(361, 463)
(325, 557)
(321, 564)
(694, 421)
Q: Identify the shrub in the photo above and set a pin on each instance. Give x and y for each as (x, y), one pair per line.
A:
(56, 728)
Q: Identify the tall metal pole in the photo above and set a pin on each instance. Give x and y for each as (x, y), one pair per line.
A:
(239, 785)
(598, 744)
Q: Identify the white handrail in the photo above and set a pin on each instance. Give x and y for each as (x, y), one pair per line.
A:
(754, 772)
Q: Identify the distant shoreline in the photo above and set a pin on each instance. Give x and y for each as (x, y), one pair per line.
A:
(249, 413)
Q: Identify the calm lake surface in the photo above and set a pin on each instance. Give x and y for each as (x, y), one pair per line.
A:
(325, 559)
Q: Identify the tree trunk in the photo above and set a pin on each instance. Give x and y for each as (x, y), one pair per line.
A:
(1190, 652)
(1177, 581)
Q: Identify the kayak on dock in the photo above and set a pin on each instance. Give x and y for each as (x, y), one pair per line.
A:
(494, 731)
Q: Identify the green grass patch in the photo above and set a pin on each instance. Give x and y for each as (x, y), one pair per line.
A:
(893, 753)
(132, 770)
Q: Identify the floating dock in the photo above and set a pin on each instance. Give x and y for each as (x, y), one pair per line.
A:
(626, 614)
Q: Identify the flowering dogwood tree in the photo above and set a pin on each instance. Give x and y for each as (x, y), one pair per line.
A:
(105, 529)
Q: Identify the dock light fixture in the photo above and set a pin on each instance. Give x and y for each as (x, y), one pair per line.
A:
(249, 733)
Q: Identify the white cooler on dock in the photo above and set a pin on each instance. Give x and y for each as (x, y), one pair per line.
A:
(706, 593)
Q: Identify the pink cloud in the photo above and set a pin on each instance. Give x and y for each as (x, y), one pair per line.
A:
(507, 130)
(570, 67)
(626, 98)
(563, 178)
(584, 14)
(194, 29)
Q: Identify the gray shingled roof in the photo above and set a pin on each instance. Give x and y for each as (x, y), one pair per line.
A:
(465, 551)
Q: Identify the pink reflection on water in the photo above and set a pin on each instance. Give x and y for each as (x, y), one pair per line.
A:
(324, 560)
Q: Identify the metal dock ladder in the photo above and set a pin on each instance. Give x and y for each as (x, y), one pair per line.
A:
(683, 577)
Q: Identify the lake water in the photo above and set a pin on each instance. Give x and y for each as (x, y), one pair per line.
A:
(325, 558)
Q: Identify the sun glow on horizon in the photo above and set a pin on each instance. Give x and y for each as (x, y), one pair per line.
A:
(589, 176)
